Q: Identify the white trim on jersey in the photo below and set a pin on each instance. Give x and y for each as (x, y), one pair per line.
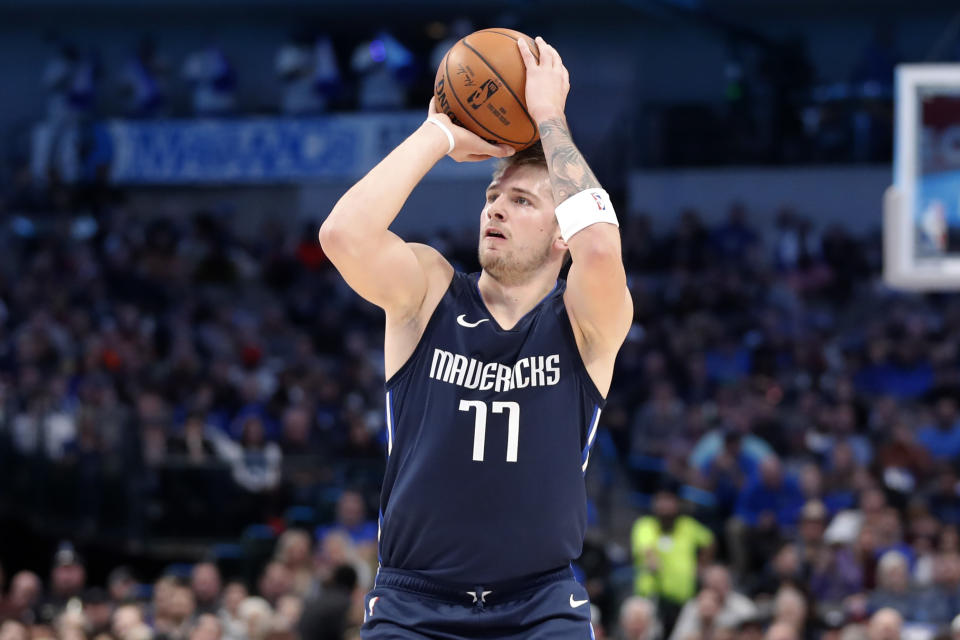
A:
(590, 437)
(389, 408)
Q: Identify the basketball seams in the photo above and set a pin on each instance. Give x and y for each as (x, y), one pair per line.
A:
(505, 84)
(536, 54)
(466, 111)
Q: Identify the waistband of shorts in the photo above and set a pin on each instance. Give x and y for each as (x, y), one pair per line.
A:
(465, 593)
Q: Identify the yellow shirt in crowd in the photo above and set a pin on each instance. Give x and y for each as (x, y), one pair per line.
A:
(675, 578)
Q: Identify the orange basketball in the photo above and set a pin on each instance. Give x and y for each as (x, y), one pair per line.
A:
(481, 85)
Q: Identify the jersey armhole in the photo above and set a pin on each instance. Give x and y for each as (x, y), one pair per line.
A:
(581, 368)
(424, 337)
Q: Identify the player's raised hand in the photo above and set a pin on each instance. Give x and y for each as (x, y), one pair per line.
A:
(548, 81)
(467, 146)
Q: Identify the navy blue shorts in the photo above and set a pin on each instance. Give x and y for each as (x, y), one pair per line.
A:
(405, 606)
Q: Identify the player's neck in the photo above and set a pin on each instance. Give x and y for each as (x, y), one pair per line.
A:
(508, 302)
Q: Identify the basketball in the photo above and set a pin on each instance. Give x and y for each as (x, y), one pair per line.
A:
(481, 86)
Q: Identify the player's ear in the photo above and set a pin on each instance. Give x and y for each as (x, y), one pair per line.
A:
(559, 244)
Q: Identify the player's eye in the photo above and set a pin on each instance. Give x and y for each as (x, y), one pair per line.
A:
(521, 201)
(491, 197)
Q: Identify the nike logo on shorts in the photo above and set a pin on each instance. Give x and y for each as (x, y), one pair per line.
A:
(577, 603)
(462, 321)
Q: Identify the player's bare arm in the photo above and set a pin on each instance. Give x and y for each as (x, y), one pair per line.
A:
(397, 276)
(597, 297)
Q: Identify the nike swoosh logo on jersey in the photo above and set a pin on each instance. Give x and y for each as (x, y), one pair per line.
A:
(462, 321)
(577, 603)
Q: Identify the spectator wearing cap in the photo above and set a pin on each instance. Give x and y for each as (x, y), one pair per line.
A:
(68, 577)
(734, 606)
(668, 550)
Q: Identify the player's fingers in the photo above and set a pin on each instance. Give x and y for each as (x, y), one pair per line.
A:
(548, 55)
(432, 109)
(528, 58)
(498, 150)
(544, 50)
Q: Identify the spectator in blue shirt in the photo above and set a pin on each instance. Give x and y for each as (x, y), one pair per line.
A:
(769, 503)
(942, 438)
(352, 521)
(770, 493)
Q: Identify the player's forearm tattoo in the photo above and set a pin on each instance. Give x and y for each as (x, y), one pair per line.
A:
(569, 172)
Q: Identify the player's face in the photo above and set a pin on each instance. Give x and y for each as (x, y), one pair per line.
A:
(518, 227)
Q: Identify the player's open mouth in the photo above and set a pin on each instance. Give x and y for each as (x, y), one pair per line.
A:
(493, 233)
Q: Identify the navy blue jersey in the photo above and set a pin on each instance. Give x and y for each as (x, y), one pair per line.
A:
(489, 434)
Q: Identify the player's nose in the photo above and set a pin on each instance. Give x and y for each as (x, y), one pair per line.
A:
(496, 209)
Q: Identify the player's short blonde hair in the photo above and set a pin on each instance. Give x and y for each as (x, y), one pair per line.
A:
(531, 156)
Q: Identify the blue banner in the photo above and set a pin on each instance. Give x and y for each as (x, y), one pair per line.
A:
(242, 151)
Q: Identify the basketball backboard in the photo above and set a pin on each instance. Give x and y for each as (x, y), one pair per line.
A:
(922, 209)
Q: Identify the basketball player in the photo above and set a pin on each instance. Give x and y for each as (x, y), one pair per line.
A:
(495, 381)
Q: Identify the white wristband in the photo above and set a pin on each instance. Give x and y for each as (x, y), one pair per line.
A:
(443, 128)
(583, 209)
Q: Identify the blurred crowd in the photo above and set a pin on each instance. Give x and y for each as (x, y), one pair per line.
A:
(777, 458)
(298, 594)
(314, 72)
(771, 105)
